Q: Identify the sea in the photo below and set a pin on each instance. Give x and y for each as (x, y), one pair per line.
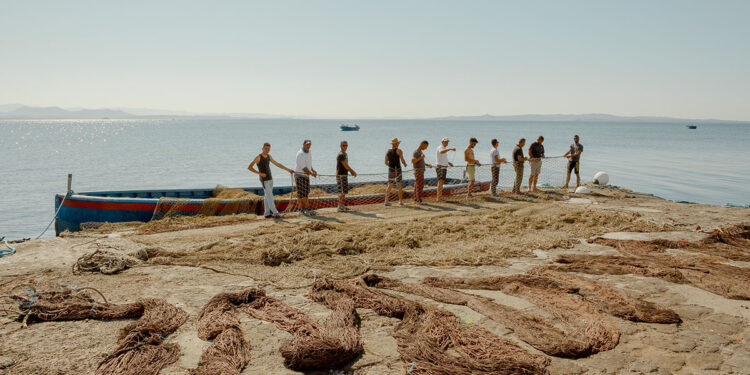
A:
(706, 165)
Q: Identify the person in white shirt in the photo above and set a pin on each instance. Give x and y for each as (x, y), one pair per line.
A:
(496, 161)
(302, 173)
(442, 165)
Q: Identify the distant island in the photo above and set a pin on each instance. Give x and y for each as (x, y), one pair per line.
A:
(24, 112)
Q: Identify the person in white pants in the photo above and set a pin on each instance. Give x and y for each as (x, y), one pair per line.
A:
(264, 160)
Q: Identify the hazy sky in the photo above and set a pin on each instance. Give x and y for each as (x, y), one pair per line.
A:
(381, 58)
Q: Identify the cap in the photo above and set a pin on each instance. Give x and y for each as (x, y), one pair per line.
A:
(446, 139)
(307, 142)
(395, 140)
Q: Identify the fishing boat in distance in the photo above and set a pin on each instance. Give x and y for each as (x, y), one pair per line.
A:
(692, 126)
(348, 128)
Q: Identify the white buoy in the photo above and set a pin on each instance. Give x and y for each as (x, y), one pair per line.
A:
(583, 190)
(601, 178)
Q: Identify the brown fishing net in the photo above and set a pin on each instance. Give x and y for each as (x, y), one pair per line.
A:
(329, 345)
(229, 352)
(730, 242)
(430, 340)
(107, 262)
(586, 331)
(140, 349)
(725, 280)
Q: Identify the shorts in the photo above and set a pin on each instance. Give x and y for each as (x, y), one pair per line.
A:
(536, 166)
(303, 186)
(342, 182)
(573, 165)
(394, 175)
(471, 171)
(442, 172)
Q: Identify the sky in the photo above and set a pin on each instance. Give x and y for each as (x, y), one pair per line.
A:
(405, 58)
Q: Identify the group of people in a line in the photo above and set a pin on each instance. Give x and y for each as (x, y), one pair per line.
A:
(394, 160)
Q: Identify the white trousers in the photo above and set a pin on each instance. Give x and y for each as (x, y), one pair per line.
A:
(268, 203)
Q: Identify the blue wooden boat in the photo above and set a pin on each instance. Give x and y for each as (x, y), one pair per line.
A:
(348, 128)
(141, 205)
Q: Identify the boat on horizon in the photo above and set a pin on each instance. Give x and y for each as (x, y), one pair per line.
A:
(348, 128)
(692, 126)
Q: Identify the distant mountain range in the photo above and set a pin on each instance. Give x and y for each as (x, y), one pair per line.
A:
(20, 111)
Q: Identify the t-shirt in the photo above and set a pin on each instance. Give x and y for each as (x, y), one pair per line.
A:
(517, 153)
(420, 164)
(394, 162)
(536, 150)
(264, 166)
(340, 159)
(575, 148)
(470, 152)
(442, 158)
(494, 153)
(304, 160)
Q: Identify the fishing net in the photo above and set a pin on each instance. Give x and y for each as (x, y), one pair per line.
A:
(314, 346)
(324, 190)
(140, 348)
(107, 262)
(730, 242)
(430, 340)
(224, 201)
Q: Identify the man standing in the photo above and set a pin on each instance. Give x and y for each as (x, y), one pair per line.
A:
(417, 161)
(574, 154)
(342, 174)
(264, 160)
(442, 165)
(496, 161)
(471, 165)
(518, 160)
(536, 153)
(302, 174)
(393, 159)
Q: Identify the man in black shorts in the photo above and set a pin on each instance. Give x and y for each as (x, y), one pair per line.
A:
(574, 154)
(393, 159)
(342, 174)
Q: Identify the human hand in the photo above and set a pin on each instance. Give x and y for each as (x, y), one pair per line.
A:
(451, 164)
(354, 174)
(262, 175)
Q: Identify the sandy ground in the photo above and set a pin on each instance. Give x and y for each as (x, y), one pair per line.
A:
(491, 236)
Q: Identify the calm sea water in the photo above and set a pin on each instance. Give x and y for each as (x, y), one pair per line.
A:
(707, 165)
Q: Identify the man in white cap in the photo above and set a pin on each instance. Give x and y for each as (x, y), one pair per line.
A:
(302, 174)
(442, 165)
(393, 159)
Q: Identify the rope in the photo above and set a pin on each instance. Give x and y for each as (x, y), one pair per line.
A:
(9, 251)
(55, 217)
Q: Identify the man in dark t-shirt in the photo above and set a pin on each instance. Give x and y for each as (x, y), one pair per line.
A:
(342, 174)
(417, 161)
(518, 160)
(393, 159)
(574, 154)
(536, 153)
(264, 161)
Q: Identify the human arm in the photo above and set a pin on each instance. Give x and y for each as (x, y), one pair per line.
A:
(251, 167)
(348, 168)
(401, 155)
(580, 150)
(280, 165)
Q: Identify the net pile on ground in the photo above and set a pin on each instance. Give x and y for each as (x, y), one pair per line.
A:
(587, 331)
(536, 331)
(229, 352)
(730, 242)
(225, 201)
(430, 340)
(331, 344)
(722, 279)
(106, 262)
(323, 190)
(140, 349)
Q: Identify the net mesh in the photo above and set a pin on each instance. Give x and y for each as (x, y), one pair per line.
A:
(326, 191)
